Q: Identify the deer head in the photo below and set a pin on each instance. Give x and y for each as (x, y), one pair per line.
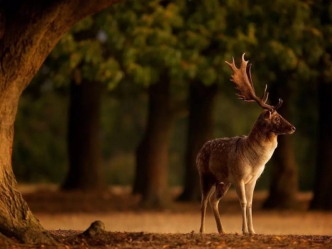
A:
(270, 120)
(273, 122)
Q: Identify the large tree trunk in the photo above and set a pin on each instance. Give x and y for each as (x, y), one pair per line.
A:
(16, 218)
(28, 32)
(84, 148)
(322, 187)
(151, 179)
(284, 183)
(200, 130)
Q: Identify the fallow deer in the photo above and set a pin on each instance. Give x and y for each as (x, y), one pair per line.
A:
(240, 160)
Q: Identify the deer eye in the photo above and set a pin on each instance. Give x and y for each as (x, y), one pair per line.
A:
(277, 120)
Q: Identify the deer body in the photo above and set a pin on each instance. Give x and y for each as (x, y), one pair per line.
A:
(240, 161)
(225, 164)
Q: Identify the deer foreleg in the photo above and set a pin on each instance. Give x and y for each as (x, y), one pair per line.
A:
(240, 190)
(249, 194)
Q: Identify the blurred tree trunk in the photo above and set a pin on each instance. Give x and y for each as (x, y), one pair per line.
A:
(322, 186)
(28, 32)
(284, 183)
(151, 178)
(84, 146)
(200, 130)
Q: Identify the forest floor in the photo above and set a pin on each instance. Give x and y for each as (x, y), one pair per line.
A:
(67, 214)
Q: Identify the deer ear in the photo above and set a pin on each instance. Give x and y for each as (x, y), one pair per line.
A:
(268, 114)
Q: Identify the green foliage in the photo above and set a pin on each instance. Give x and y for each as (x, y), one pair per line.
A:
(148, 43)
(80, 54)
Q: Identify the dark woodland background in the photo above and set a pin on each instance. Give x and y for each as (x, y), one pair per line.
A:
(129, 96)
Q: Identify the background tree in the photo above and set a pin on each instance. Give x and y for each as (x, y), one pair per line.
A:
(287, 60)
(202, 51)
(322, 196)
(83, 59)
(158, 58)
(28, 33)
(133, 32)
(200, 129)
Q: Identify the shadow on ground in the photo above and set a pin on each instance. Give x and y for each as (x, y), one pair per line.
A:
(48, 199)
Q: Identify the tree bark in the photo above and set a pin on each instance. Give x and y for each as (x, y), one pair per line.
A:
(284, 184)
(200, 130)
(28, 32)
(151, 178)
(84, 148)
(322, 187)
(16, 219)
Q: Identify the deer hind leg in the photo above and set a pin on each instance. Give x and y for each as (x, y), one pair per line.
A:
(206, 187)
(249, 194)
(220, 190)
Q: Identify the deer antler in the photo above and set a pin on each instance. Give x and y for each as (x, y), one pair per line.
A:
(243, 83)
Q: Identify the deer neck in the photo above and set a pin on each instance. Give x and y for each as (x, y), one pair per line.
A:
(259, 137)
(260, 145)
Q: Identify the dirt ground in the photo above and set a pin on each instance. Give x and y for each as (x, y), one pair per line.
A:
(66, 215)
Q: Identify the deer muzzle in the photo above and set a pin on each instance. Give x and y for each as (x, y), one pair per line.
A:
(293, 129)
